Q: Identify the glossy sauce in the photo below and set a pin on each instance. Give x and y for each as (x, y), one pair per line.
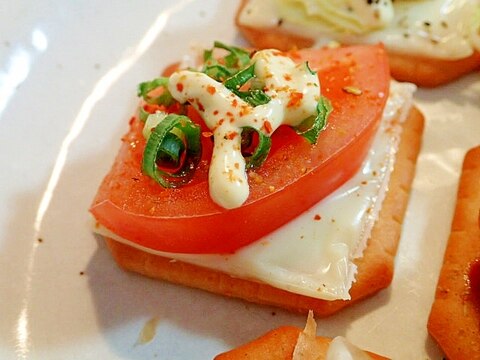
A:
(294, 93)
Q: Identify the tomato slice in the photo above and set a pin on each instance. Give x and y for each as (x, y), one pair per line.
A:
(295, 176)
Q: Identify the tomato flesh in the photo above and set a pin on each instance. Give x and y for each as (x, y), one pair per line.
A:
(295, 176)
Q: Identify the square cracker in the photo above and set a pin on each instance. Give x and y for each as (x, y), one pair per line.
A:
(375, 268)
(454, 320)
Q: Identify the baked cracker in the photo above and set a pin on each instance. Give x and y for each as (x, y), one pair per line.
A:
(375, 268)
(454, 320)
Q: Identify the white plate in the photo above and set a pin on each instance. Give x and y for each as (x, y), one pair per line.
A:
(68, 74)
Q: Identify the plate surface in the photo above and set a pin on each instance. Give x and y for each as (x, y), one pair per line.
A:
(68, 74)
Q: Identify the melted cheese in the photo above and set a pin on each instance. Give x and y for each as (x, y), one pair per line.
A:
(443, 29)
(354, 17)
(294, 93)
(313, 254)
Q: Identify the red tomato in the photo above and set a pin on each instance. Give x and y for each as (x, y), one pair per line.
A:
(295, 176)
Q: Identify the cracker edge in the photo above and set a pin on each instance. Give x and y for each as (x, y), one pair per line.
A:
(454, 322)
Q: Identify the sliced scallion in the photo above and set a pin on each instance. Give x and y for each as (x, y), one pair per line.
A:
(164, 98)
(311, 127)
(173, 151)
(255, 151)
(151, 123)
(255, 96)
(235, 60)
(237, 57)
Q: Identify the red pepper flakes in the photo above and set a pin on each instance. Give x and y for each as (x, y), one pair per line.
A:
(287, 77)
(180, 87)
(317, 217)
(211, 89)
(215, 112)
(152, 108)
(234, 103)
(207, 134)
(295, 99)
(200, 106)
(132, 119)
(245, 110)
(231, 135)
(267, 126)
(229, 113)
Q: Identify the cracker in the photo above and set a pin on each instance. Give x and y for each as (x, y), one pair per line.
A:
(454, 320)
(422, 71)
(274, 345)
(375, 268)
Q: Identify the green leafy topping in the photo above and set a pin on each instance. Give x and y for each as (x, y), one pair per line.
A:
(255, 151)
(238, 57)
(173, 151)
(253, 96)
(142, 114)
(165, 98)
(219, 69)
(309, 69)
(311, 127)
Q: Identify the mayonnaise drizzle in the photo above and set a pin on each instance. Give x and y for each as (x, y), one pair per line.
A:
(294, 93)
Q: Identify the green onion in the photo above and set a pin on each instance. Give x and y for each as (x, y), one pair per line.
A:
(173, 151)
(237, 59)
(256, 157)
(240, 78)
(218, 72)
(165, 98)
(151, 123)
(142, 114)
(309, 69)
(254, 97)
(311, 127)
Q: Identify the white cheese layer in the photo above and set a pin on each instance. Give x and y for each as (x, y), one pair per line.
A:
(313, 254)
(443, 29)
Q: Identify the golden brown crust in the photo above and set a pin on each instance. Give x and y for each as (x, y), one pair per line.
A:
(375, 267)
(454, 319)
(419, 70)
(431, 72)
(277, 344)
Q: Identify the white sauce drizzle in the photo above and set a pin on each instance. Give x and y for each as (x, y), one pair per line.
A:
(315, 257)
(294, 93)
(443, 29)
